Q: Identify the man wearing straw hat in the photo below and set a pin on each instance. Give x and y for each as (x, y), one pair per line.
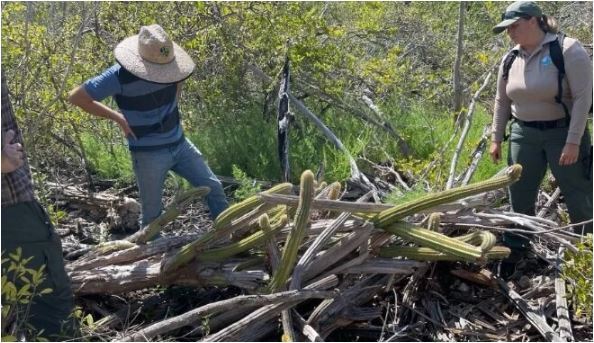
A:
(145, 84)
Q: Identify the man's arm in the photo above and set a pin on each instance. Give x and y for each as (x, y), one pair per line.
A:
(12, 153)
(82, 99)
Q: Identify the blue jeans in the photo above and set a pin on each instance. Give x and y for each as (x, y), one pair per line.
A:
(184, 159)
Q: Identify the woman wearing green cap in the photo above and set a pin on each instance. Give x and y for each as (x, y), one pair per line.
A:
(548, 117)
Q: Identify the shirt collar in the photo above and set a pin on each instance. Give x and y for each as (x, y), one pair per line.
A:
(549, 37)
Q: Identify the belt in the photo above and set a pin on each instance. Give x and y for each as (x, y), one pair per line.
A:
(545, 124)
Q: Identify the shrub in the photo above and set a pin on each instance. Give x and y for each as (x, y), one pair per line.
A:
(17, 296)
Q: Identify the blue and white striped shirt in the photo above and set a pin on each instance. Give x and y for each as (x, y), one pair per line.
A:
(150, 108)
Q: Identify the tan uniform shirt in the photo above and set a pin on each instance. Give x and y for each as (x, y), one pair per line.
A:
(529, 94)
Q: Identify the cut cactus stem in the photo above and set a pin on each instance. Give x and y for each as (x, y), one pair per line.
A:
(428, 254)
(221, 228)
(398, 212)
(296, 236)
(435, 240)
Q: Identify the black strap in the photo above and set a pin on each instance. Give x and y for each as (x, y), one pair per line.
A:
(556, 52)
(507, 63)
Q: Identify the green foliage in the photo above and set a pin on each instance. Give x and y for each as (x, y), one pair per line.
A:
(108, 160)
(20, 285)
(86, 322)
(577, 270)
(247, 187)
(416, 192)
(43, 194)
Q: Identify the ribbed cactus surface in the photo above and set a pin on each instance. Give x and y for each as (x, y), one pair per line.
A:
(289, 255)
(398, 212)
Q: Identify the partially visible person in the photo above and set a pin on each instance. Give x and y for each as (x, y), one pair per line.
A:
(145, 83)
(544, 131)
(26, 224)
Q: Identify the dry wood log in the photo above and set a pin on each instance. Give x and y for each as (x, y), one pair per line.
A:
(385, 266)
(552, 200)
(145, 273)
(565, 331)
(332, 314)
(253, 321)
(467, 124)
(236, 303)
(135, 253)
(342, 248)
(306, 329)
(535, 319)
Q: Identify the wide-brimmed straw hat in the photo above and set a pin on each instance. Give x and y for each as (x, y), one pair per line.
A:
(515, 11)
(152, 56)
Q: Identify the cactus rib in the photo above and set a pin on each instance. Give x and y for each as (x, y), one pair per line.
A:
(398, 212)
(435, 240)
(222, 227)
(428, 254)
(296, 236)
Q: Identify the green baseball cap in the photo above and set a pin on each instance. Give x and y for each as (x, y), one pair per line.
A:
(515, 11)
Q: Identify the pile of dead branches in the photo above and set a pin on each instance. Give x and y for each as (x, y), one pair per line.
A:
(330, 257)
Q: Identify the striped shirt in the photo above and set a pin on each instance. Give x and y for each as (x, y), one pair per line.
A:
(17, 185)
(150, 108)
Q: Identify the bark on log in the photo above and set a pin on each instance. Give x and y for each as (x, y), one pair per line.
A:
(147, 273)
(236, 303)
(247, 324)
(534, 318)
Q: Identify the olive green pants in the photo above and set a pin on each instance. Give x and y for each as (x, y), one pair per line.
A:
(535, 149)
(28, 226)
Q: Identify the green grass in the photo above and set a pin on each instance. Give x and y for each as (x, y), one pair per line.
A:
(247, 139)
(108, 160)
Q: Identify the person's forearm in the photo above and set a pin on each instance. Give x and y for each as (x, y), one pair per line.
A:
(80, 98)
(100, 110)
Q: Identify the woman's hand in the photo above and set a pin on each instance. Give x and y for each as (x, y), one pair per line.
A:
(569, 155)
(495, 151)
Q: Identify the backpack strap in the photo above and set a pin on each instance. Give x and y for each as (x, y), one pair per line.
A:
(507, 63)
(556, 52)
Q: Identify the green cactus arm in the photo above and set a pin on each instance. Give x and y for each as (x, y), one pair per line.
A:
(222, 253)
(485, 240)
(435, 240)
(428, 254)
(488, 241)
(222, 227)
(417, 253)
(473, 238)
(238, 210)
(398, 212)
(296, 236)
(334, 192)
(171, 212)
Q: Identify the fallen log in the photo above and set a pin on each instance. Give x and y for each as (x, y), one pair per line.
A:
(230, 304)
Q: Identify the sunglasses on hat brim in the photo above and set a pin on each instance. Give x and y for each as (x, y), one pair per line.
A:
(514, 14)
